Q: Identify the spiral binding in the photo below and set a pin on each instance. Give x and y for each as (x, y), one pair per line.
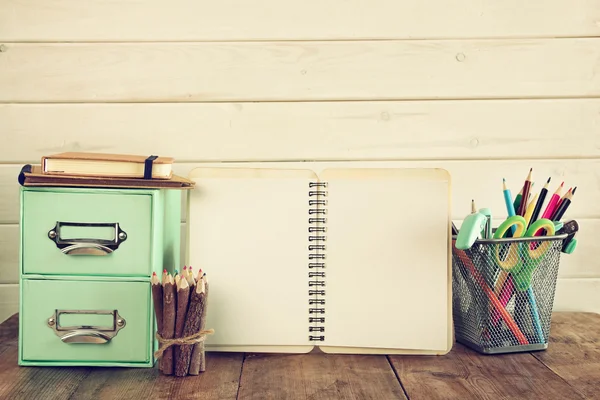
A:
(316, 275)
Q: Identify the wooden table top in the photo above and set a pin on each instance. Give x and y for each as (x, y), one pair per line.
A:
(568, 369)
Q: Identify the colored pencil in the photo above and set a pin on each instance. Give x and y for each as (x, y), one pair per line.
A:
(561, 199)
(530, 207)
(510, 322)
(560, 211)
(526, 188)
(517, 201)
(540, 203)
(552, 203)
(510, 208)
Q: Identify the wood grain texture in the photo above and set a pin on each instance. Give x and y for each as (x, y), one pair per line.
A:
(283, 71)
(468, 129)
(9, 298)
(583, 263)
(40, 383)
(220, 381)
(567, 370)
(318, 376)
(9, 254)
(463, 374)
(487, 174)
(578, 364)
(72, 20)
(572, 294)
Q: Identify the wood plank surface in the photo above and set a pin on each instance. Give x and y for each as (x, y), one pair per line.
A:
(568, 369)
(9, 296)
(295, 71)
(583, 263)
(575, 353)
(318, 376)
(466, 129)
(154, 20)
(219, 381)
(480, 180)
(464, 374)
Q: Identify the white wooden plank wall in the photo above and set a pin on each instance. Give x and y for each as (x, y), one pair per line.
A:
(485, 89)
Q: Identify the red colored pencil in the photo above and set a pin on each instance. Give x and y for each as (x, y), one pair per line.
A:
(526, 189)
(552, 203)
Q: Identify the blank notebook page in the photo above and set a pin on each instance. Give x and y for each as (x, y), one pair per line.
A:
(248, 231)
(387, 259)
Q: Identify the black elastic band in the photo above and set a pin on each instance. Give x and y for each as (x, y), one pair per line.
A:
(26, 169)
(148, 167)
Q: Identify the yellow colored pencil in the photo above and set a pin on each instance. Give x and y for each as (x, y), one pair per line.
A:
(530, 208)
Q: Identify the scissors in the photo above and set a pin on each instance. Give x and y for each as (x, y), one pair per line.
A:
(521, 258)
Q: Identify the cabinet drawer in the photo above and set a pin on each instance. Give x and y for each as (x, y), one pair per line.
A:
(79, 232)
(84, 317)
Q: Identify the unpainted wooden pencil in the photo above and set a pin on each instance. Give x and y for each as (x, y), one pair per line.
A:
(169, 310)
(198, 361)
(183, 297)
(157, 298)
(191, 327)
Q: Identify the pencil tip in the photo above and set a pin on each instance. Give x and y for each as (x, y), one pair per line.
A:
(153, 273)
(561, 185)
(548, 181)
(503, 180)
(574, 189)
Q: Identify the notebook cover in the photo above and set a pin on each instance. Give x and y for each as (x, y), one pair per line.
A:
(134, 158)
(31, 175)
(424, 176)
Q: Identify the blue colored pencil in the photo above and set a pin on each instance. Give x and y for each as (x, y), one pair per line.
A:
(510, 207)
(535, 316)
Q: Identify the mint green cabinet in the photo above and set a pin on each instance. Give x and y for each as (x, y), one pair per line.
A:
(86, 259)
(80, 320)
(88, 233)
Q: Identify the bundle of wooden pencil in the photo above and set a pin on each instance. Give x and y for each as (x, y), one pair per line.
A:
(180, 304)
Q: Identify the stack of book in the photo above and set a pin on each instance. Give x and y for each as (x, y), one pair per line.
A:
(103, 170)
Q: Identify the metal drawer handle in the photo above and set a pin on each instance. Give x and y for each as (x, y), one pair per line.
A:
(85, 246)
(86, 333)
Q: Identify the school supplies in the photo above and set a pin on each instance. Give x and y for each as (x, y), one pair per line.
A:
(108, 165)
(570, 243)
(562, 208)
(552, 203)
(488, 223)
(510, 323)
(520, 259)
(334, 258)
(472, 227)
(539, 203)
(31, 175)
(523, 258)
(181, 323)
(530, 208)
(510, 207)
(526, 188)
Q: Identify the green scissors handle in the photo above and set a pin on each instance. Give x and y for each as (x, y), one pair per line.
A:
(521, 258)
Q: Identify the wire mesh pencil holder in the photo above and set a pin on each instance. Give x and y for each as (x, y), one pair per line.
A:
(503, 293)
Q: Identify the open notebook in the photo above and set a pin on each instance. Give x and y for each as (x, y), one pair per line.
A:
(350, 260)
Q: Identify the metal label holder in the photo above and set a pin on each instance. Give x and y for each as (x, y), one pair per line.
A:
(86, 333)
(85, 246)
